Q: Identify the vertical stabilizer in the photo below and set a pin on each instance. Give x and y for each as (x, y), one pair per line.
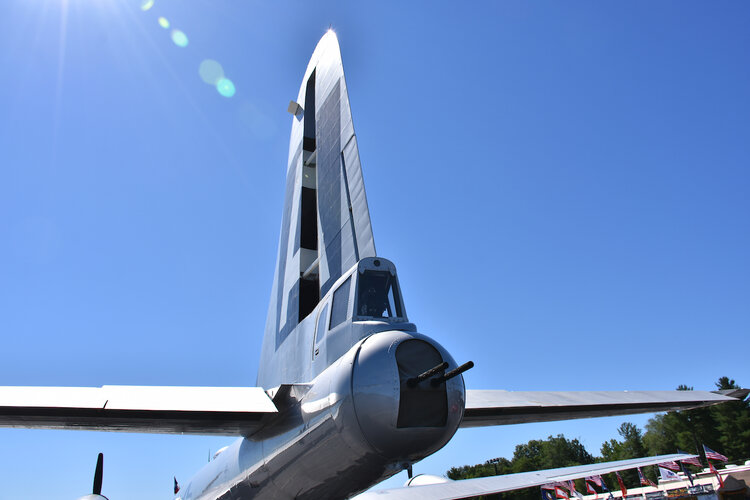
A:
(325, 226)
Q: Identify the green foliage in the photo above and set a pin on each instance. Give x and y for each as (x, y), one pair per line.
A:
(555, 451)
(503, 466)
(724, 428)
(631, 446)
(732, 425)
(549, 454)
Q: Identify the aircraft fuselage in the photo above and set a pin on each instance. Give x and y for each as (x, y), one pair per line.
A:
(354, 424)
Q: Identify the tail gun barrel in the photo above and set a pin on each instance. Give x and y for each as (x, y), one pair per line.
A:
(414, 381)
(456, 371)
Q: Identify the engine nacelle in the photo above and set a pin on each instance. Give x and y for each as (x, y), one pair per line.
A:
(425, 479)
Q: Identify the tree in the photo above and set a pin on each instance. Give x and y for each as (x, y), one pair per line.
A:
(724, 427)
(488, 468)
(732, 422)
(631, 446)
(550, 453)
(661, 435)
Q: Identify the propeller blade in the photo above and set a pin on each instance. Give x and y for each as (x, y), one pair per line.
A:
(98, 474)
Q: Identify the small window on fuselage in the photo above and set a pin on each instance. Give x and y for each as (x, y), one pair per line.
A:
(320, 333)
(340, 306)
(377, 295)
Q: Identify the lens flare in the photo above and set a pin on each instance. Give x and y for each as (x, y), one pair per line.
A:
(211, 71)
(164, 23)
(179, 38)
(225, 87)
(146, 4)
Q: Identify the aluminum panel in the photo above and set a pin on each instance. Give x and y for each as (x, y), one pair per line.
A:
(358, 200)
(283, 257)
(226, 411)
(484, 408)
(52, 397)
(204, 399)
(329, 186)
(509, 482)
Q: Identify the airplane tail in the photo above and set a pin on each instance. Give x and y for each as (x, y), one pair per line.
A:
(325, 226)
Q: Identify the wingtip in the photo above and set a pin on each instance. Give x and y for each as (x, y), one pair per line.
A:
(740, 394)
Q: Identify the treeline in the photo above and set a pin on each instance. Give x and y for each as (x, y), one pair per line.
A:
(724, 428)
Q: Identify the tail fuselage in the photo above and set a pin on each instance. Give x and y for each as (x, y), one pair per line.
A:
(355, 423)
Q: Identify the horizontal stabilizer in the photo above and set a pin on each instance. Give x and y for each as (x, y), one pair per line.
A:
(226, 411)
(497, 484)
(484, 408)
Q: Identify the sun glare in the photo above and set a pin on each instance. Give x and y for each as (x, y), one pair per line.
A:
(225, 87)
(179, 38)
(211, 71)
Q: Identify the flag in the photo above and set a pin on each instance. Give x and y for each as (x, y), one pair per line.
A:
(668, 475)
(176, 486)
(602, 484)
(590, 486)
(572, 488)
(560, 492)
(687, 473)
(644, 480)
(692, 461)
(641, 477)
(597, 480)
(548, 492)
(562, 484)
(712, 455)
(718, 476)
(622, 485)
(673, 466)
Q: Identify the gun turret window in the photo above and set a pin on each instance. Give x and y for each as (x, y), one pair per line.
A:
(377, 295)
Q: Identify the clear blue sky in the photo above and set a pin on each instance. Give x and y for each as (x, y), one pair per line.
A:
(563, 187)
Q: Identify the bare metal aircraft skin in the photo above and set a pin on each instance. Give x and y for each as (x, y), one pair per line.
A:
(349, 392)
